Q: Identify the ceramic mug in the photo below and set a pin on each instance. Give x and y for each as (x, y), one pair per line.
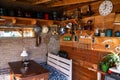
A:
(102, 34)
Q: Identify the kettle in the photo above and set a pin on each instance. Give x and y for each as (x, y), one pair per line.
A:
(108, 32)
(117, 34)
(63, 30)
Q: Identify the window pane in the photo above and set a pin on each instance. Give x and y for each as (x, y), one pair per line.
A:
(10, 34)
(28, 32)
(25, 32)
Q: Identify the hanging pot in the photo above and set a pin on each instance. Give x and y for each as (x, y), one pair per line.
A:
(69, 25)
(45, 29)
(63, 30)
(117, 34)
(37, 30)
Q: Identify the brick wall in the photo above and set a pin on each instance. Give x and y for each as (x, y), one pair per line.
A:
(11, 48)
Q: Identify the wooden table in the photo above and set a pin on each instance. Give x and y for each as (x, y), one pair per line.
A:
(34, 71)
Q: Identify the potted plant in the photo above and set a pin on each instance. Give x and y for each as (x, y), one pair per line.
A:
(117, 62)
(110, 60)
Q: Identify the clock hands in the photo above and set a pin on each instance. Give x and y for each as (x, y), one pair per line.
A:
(105, 6)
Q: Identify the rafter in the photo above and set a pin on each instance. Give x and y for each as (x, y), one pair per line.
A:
(34, 2)
(41, 1)
(69, 2)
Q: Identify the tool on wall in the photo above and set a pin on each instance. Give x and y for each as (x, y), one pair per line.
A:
(89, 11)
(92, 43)
(45, 29)
(80, 14)
(46, 41)
(62, 30)
(37, 30)
(117, 49)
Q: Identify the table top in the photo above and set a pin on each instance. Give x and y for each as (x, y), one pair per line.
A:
(113, 69)
(34, 68)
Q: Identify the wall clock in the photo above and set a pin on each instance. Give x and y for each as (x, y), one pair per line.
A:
(105, 8)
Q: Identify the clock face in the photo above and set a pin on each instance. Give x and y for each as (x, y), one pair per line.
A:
(105, 8)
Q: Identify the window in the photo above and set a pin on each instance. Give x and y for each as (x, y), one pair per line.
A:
(16, 32)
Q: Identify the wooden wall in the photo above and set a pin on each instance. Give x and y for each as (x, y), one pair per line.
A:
(86, 54)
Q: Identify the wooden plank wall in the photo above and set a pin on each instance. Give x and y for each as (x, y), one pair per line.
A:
(85, 54)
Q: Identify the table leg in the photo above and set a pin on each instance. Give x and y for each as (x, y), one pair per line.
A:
(11, 75)
(98, 76)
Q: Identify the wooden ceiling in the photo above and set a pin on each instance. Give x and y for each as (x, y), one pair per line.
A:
(43, 5)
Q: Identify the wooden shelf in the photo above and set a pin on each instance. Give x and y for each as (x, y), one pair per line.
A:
(19, 20)
(44, 22)
(98, 44)
(27, 21)
(109, 40)
(8, 19)
(70, 20)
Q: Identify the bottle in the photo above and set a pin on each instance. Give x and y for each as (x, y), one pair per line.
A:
(97, 32)
(80, 13)
(20, 12)
(102, 33)
(54, 15)
(46, 16)
(64, 17)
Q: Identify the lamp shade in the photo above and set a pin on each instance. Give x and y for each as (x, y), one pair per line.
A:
(117, 18)
(24, 53)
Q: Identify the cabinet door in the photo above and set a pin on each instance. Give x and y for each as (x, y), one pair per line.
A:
(68, 49)
(82, 54)
(94, 57)
(81, 58)
(81, 73)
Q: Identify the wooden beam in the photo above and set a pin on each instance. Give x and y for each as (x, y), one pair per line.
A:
(69, 2)
(41, 1)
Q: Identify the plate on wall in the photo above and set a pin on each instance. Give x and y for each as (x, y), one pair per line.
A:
(117, 49)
